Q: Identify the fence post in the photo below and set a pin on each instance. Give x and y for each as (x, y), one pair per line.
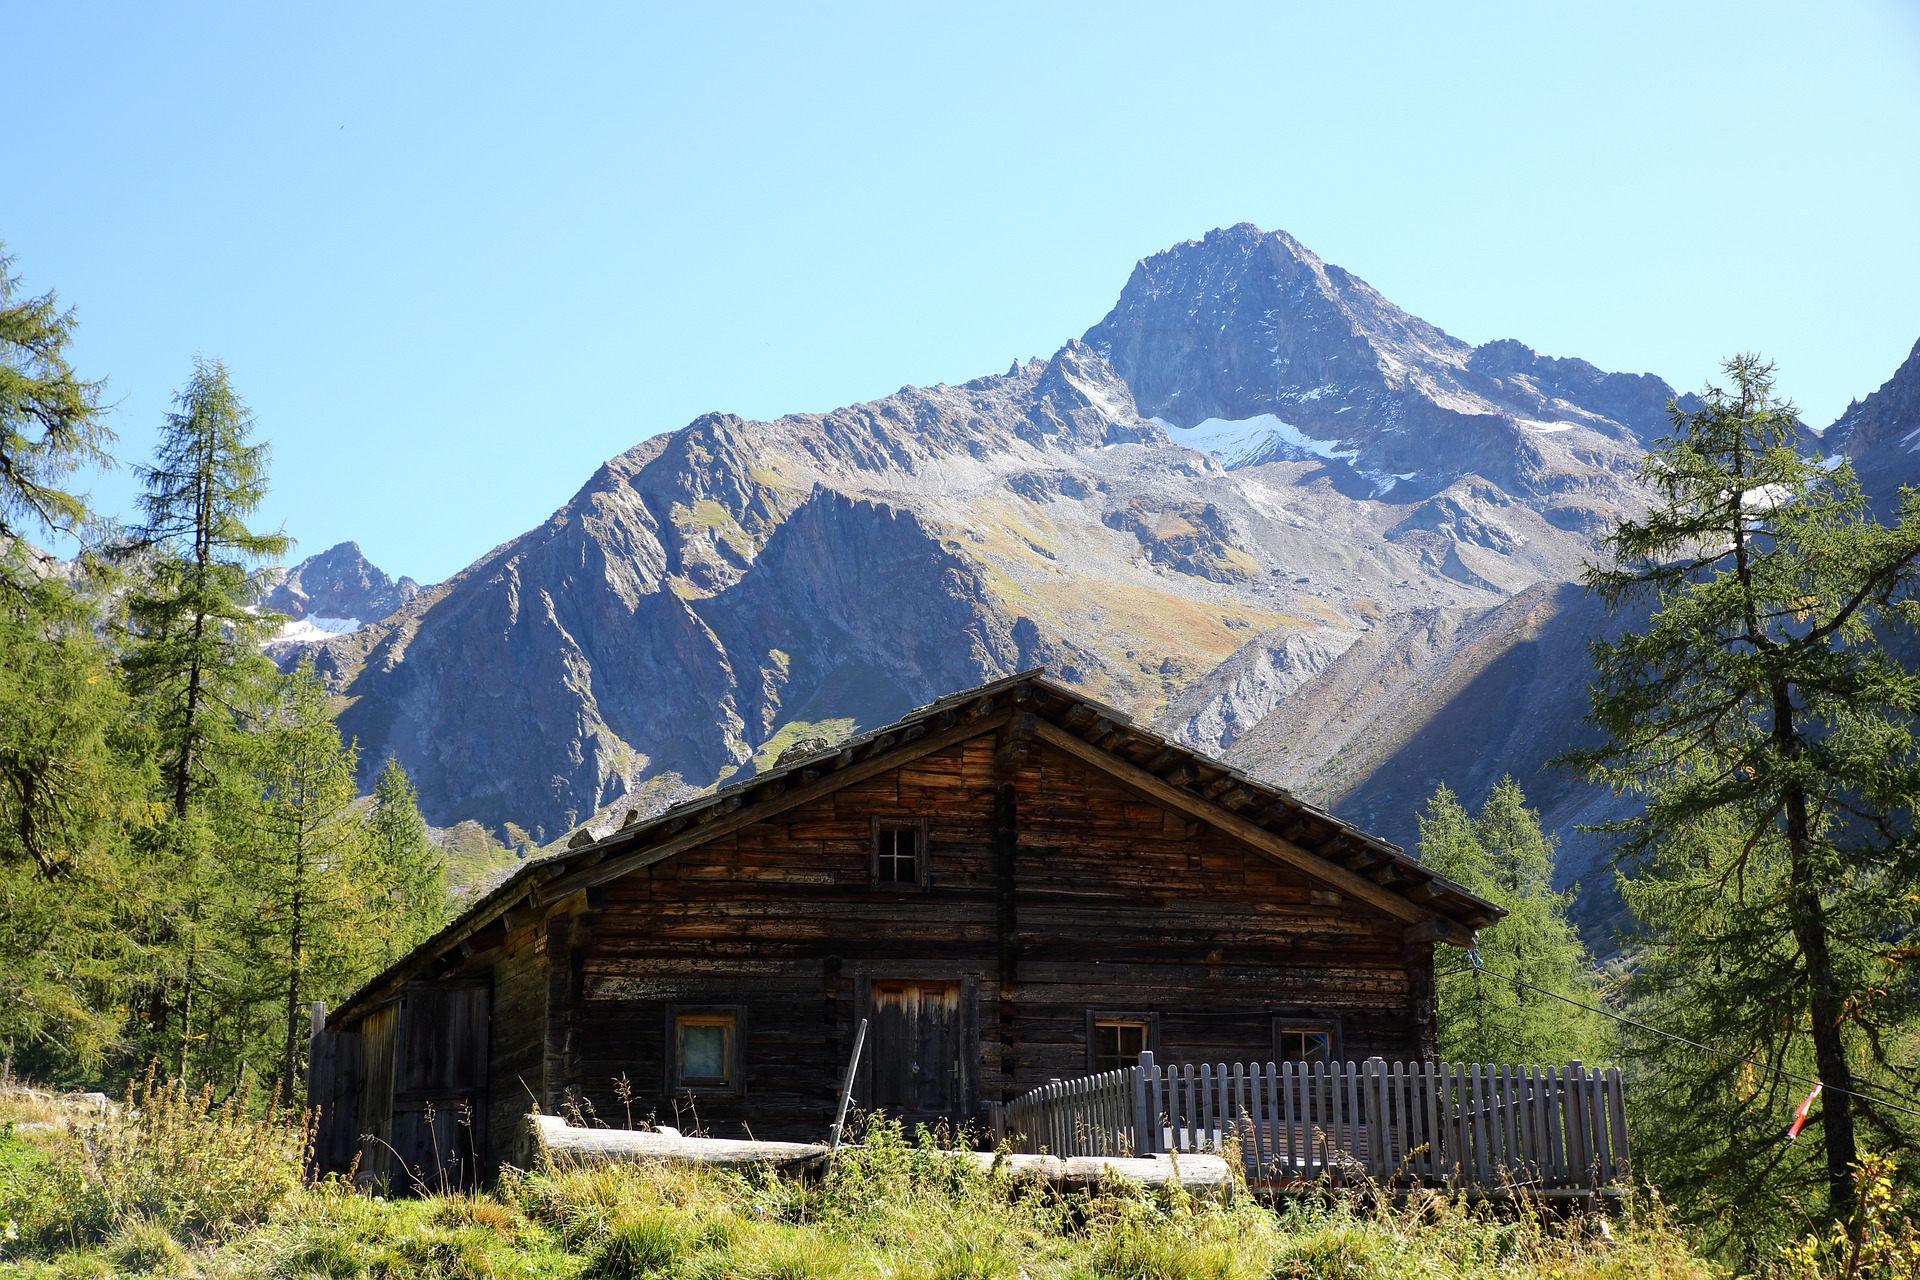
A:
(1146, 1120)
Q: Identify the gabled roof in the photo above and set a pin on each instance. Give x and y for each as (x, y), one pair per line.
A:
(1267, 818)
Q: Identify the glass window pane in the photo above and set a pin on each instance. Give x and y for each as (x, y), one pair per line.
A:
(1306, 1044)
(897, 858)
(1118, 1044)
(703, 1051)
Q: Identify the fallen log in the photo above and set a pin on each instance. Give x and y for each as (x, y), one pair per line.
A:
(555, 1142)
(1079, 1173)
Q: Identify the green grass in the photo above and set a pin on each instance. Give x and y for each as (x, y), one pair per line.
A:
(188, 1193)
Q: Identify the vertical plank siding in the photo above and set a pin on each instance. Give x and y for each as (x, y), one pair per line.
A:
(1496, 1130)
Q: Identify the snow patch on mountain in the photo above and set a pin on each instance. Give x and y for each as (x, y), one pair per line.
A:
(1264, 437)
(311, 630)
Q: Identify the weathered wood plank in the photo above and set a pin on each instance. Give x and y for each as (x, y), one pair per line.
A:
(1240, 828)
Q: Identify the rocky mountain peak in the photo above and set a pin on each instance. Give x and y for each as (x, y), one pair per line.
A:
(1250, 327)
(339, 584)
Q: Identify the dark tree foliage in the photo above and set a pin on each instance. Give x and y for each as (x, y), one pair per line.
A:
(1767, 726)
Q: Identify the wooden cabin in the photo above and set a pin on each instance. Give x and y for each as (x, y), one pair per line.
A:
(1012, 884)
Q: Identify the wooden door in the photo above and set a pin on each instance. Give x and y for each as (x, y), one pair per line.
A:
(919, 1051)
(439, 1087)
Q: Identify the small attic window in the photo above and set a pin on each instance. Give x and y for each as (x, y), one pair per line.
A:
(899, 853)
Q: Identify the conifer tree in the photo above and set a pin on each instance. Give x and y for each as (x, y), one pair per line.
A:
(193, 660)
(1503, 855)
(51, 425)
(195, 655)
(414, 869)
(305, 899)
(70, 778)
(1768, 729)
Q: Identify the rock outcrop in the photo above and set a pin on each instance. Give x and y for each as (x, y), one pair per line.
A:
(1881, 434)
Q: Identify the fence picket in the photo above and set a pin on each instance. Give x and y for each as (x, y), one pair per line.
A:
(1579, 1153)
(1430, 1123)
(1349, 1138)
(1270, 1117)
(1617, 1125)
(1286, 1146)
(1529, 1122)
(1596, 1125)
(1521, 1145)
(1509, 1143)
(1462, 1128)
(1381, 1150)
(1217, 1105)
(1414, 1135)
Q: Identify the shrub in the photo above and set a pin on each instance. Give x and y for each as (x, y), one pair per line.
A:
(196, 1168)
(171, 1161)
(1880, 1242)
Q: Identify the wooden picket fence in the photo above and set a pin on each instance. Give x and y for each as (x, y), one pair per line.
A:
(1492, 1130)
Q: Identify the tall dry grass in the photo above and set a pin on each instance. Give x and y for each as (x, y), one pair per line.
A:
(186, 1186)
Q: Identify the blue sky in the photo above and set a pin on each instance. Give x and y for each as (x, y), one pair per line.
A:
(456, 256)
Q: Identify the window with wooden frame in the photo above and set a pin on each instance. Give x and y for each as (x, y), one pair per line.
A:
(1116, 1039)
(900, 853)
(1306, 1040)
(704, 1048)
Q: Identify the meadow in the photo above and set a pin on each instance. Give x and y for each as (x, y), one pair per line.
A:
(171, 1183)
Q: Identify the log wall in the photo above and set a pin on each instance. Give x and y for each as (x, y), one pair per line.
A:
(1053, 890)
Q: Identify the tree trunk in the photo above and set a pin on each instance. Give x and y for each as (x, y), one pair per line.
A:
(182, 783)
(1826, 1003)
(296, 939)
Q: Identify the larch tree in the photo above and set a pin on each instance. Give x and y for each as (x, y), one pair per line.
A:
(193, 659)
(306, 893)
(195, 653)
(51, 425)
(71, 781)
(414, 870)
(1763, 719)
(1503, 855)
